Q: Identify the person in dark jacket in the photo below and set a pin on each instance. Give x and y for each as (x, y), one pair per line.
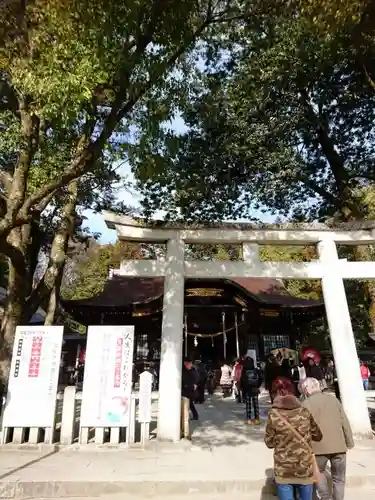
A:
(286, 369)
(189, 385)
(295, 378)
(251, 380)
(201, 383)
(313, 370)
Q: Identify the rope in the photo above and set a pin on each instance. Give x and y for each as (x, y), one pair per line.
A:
(217, 334)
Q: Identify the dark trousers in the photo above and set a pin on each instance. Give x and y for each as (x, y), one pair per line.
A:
(193, 409)
(226, 390)
(200, 392)
(238, 392)
(251, 403)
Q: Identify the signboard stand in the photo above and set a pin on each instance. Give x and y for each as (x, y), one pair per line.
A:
(144, 415)
(33, 379)
(107, 384)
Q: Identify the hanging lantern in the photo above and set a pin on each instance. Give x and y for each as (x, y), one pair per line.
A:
(212, 340)
(195, 341)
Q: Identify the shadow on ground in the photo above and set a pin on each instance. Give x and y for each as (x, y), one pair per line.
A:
(222, 423)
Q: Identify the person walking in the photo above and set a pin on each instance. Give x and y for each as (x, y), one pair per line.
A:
(290, 431)
(365, 374)
(295, 378)
(236, 375)
(188, 387)
(226, 379)
(250, 382)
(337, 438)
(314, 370)
(202, 379)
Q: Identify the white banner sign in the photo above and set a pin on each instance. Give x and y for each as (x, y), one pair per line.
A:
(107, 382)
(145, 393)
(251, 353)
(33, 378)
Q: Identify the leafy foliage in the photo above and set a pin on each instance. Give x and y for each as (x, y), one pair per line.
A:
(86, 273)
(287, 124)
(78, 79)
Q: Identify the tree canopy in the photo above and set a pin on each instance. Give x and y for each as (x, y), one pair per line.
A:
(277, 97)
(78, 80)
(286, 122)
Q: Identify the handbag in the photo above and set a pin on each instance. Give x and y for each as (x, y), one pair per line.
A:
(316, 471)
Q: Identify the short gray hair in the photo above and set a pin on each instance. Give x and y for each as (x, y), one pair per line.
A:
(310, 386)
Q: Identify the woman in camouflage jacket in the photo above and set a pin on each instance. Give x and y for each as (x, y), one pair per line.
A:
(293, 462)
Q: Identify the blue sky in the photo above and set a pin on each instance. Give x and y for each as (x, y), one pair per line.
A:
(96, 221)
(131, 197)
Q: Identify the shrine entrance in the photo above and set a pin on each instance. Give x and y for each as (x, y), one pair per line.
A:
(329, 268)
(222, 319)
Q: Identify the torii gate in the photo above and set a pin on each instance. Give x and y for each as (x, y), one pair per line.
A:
(329, 268)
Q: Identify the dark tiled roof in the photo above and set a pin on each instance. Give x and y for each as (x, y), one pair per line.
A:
(121, 292)
(272, 292)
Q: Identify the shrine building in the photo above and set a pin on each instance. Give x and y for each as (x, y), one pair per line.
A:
(223, 318)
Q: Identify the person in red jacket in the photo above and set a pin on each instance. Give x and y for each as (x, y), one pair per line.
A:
(236, 375)
(365, 374)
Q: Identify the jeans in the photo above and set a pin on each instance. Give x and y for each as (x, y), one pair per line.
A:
(338, 473)
(365, 384)
(286, 491)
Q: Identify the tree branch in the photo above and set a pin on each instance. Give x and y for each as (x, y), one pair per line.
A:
(5, 180)
(15, 256)
(326, 195)
(58, 254)
(18, 187)
(89, 154)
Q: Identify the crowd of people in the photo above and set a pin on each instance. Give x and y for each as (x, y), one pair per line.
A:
(306, 427)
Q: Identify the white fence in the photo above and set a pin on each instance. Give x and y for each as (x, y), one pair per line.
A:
(67, 429)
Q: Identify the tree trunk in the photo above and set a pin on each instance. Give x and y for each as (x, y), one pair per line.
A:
(53, 299)
(362, 253)
(49, 285)
(371, 292)
(13, 310)
(51, 309)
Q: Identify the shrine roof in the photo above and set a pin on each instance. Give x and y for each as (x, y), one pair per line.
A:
(122, 291)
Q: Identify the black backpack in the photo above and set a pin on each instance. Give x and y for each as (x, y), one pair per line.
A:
(251, 378)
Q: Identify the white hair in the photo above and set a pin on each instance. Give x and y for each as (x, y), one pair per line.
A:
(310, 386)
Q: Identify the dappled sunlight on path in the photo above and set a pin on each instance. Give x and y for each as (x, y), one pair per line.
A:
(222, 423)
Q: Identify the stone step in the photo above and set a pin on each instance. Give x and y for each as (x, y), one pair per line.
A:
(174, 490)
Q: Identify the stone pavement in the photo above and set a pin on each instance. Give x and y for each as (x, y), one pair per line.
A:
(224, 456)
(351, 494)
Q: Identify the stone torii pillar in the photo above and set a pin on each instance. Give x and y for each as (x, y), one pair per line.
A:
(169, 416)
(342, 340)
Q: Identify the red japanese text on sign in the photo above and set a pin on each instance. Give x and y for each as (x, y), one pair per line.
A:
(36, 352)
(118, 362)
